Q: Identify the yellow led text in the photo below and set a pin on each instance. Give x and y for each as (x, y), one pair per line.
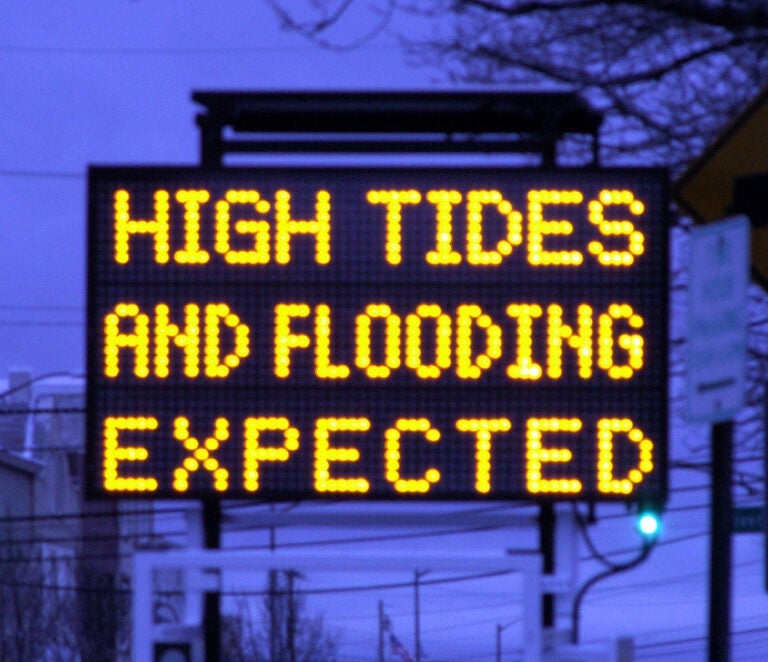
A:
(537, 455)
(128, 331)
(249, 228)
(255, 452)
(549, 444)
(201, 455)
(466, 340)
(607, 429)
(114, 453)
(478, 204)
(254, 230)
(325, 454)
(483, 429)
(423, 427)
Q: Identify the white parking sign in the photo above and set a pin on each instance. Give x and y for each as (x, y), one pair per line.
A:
(717, 319)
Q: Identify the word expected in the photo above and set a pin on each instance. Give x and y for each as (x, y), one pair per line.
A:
(428, 341)
(238, 219)
(257, 456)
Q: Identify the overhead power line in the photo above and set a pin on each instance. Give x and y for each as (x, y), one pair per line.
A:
(180, 50)
(42, 173)
(45, 323)
(45, 308)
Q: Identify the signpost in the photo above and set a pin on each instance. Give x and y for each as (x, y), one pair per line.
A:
(717, 313)
(377, 333)
(707, 190)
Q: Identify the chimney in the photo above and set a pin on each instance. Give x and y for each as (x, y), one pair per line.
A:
(17, 377)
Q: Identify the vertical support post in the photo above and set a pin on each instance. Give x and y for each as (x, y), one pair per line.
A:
(595, 150)
(211, 601)
(291, 575)
(720, 543)
(417, 575)
(416, 616)
(382, 627)
(532, 608)
(566, 562)
(211, 155)
(142, 611)
(499, 629)
(274, 625)
(548, 151)
(193, 599)
(547, 548)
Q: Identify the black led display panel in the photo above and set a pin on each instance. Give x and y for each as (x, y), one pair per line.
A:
(379, 333)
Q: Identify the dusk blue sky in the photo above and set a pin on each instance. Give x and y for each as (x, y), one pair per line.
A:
(110, 83)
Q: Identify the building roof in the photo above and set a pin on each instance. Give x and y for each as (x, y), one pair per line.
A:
(18, 463)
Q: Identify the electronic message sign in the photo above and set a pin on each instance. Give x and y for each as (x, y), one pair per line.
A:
(410, 333)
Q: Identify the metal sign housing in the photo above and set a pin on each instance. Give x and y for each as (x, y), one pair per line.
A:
(381, 333)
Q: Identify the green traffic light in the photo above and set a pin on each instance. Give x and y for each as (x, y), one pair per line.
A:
(648, 524)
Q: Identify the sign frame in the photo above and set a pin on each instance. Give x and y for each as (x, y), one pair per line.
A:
(100, 277)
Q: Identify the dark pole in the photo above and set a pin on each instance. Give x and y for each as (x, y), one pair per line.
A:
(291, 575)
(291, 617)
(382, 623)
(417, 575)
(547, 547)
(274, 626)
(720, 543)
(211, 600)
(416, 609)
(211, 507)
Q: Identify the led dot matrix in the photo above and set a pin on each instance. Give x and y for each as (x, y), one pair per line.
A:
(407, 333)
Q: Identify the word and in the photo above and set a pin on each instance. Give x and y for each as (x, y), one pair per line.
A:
(547, 441)
(240, 218)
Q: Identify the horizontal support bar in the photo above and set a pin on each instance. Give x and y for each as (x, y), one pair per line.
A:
(309, 561)
(384, 146)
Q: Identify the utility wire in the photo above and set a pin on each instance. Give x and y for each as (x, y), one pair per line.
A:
(43, 308)
(41, 173)
(47, 375)
(382, 586)
(367, 539)
(41, 323)
(173, 51)
(17, 519)
(697, 639)
(265, 592)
